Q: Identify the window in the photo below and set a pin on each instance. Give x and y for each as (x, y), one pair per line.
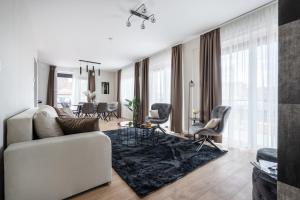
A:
(64, 88)
(249, 79)
(160, 78)
(127, 89)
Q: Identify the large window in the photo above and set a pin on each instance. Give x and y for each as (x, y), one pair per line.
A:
(64, 88)
(249, 79)
(127, 89)
(160, 78)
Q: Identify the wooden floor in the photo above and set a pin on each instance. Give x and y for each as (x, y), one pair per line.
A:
(228, 177)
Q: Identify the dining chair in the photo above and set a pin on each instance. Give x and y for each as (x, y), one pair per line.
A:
(88, 109)
(102, 111)
(112, 109)
(65, 105)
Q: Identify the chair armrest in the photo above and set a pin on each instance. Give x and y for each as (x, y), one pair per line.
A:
(57, 167)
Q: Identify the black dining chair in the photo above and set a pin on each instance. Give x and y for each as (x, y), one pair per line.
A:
(102, 111)
(88, 109)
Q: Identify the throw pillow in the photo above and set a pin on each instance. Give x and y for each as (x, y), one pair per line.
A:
(45, 124)
(78, 125)
(154, 114)
(213, 123)
(64, 112)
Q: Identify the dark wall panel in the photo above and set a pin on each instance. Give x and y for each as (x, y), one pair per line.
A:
(289, 10)
(289, 93)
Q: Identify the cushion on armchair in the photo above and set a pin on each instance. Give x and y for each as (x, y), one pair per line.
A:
(154, 114)
(213, 123)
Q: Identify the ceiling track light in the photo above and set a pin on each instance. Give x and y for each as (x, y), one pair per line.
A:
(87, 66)
(141, 12)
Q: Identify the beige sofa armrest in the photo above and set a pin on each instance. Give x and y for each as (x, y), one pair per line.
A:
(56, 168)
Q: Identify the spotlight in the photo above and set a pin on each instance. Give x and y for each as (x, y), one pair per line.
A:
(153, 20)
(144, 9)
(128, 24)
(143, 25)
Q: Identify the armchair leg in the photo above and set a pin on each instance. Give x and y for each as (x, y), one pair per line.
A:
(162, 130)
(201, 144)
(202, 140)
(211, 142)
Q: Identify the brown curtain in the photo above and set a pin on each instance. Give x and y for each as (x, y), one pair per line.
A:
(91, 81)
(137, 85)
(119, 93)
(176, 89)
(210, 74)
(145, 90)
(50, 89)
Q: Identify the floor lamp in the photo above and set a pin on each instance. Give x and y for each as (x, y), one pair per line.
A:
(191, 84)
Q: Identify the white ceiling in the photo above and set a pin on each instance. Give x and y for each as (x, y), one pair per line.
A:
(68, 30)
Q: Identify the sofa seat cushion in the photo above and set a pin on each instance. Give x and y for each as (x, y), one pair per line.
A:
(45, 123)
(78, 125)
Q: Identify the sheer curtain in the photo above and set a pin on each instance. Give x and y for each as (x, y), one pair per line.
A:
(80, 85)
(249, 79)
(127, 89)
(160, 78)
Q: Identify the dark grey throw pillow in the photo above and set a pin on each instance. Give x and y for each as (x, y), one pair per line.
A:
(78, 125)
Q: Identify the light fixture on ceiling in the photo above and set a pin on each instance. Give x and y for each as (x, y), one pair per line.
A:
(87, 66)
(141, 13)
(128, 23)
(80, 71)
(143, 25)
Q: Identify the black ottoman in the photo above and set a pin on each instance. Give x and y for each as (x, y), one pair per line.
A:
(268, 154)
(264, 186)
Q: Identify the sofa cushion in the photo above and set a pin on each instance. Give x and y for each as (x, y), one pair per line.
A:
(78, 125)
(64, 112)
(45, 124)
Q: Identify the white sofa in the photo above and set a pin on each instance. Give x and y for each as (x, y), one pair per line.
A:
(53, 168)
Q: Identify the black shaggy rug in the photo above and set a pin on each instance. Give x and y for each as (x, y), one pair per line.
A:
(146, 168)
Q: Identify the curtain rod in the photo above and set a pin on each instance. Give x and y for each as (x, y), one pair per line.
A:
(218, 26)
(233, 20)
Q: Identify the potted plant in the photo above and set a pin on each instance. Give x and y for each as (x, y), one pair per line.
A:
(90, 96)
(133, 105)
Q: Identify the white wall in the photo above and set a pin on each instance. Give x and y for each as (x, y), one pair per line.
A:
(105, 76)
(43, 73)
(190, 65)
(17, 54)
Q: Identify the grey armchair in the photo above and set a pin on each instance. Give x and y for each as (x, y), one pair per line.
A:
(164, 111)
(205, 134)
